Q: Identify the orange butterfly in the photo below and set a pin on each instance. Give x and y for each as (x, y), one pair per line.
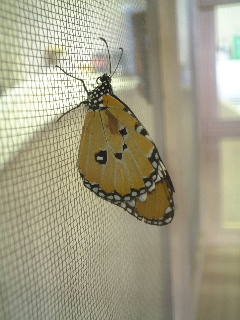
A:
(118, 161)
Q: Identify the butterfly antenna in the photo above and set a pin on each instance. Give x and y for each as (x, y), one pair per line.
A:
(118, 61)
(109, 56)
(68, 74)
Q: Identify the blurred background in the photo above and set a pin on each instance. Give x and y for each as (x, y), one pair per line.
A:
(66, 254)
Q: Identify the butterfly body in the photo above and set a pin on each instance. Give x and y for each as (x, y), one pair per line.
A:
(118, 160)
(95, 101)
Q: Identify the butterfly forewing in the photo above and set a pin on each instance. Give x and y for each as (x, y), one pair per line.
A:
(117, 158)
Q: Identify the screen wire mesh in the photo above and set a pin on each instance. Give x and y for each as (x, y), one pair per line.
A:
(66, 254)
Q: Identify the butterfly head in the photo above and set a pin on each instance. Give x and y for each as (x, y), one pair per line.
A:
(105, 78)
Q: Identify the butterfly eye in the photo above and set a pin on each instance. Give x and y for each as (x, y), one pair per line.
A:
(98, 80)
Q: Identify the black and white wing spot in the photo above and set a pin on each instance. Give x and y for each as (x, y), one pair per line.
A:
(101, 157)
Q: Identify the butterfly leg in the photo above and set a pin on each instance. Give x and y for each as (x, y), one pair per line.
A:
(79, 105)
(70, 75)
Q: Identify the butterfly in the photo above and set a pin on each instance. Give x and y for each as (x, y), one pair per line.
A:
(118, 160)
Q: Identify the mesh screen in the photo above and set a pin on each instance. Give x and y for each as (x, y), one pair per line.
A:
(66, 254)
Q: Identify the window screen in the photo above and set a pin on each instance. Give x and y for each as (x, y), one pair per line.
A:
(65, 253)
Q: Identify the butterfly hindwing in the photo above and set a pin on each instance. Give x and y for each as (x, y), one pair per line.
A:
(158, 206)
